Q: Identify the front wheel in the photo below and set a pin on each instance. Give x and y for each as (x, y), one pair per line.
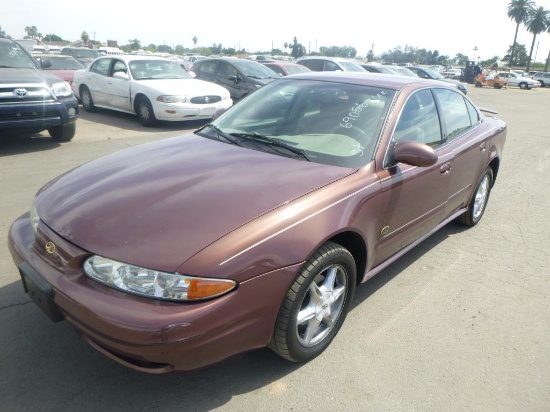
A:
(479, 200)
(523, 86)
(63, 133)
(496, 86)
(315, 305)
(87, 101)
(145, 113)
(478, 84)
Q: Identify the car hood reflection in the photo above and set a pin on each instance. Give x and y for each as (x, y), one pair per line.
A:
(166, 201)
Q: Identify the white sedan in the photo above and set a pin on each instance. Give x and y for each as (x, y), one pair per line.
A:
(154, 88)
(514, 79)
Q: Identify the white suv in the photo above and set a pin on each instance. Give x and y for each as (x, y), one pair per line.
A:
(543, 78)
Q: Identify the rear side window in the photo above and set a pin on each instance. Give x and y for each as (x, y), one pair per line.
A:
(207, 67)
(456, 115)
(313, 64)
(101, 67)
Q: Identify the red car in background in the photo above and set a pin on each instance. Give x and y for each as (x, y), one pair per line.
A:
(62, 66)
(283, 68)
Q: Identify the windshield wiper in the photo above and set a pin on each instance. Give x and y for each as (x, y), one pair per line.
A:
(227, 137)
(270, 141)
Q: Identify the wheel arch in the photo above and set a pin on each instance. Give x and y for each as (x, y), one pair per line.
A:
(137, 99)
(494, 164)
(356, 245)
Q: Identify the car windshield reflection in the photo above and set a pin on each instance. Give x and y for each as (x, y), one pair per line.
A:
(330, 123)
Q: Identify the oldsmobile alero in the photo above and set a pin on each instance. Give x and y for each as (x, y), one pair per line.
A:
(256, 229)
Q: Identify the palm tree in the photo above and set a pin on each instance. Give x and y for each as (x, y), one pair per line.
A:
(537, 22)
(518, 10)
(195, 41)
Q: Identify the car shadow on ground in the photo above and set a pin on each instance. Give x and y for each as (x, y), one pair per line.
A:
(47, 366)
(130, 121)
(14, 144)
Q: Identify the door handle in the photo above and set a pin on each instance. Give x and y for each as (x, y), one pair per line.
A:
(482, 147)
(445, 168)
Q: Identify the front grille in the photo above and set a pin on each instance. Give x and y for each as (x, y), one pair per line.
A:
(24, 94)
(205, 99)
(47, 114)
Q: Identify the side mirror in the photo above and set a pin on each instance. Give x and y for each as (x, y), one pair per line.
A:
(414, 153)
(235, 79)
(45, 63)
(121, 75)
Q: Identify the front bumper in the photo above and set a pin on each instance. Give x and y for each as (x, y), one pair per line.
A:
(38, 116)
(184, 111)
(148, 335)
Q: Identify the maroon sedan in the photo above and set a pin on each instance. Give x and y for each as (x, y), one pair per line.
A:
(256, 229)
(284, 68)
(62, 66)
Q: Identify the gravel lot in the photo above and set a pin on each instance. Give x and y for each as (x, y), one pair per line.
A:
(462, 323)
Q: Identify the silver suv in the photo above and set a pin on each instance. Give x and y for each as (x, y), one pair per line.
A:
(543, 78)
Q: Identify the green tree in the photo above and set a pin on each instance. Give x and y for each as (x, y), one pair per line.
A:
(518, 11)
(537, 22)
(134, 44)
(32, 32)
(179, 49)
(3, 34)
(85, 37)
(195, 40)
(520, 56)
(52, 37)
(297, 50)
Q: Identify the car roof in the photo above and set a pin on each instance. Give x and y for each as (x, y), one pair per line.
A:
(382, 80)
(132, 57)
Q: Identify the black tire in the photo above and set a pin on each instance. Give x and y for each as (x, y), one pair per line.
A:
(478, 202)
(478, 84)
(86, 99)
(145, 112)
(523, 86)
(63, 133)
(496, 86)
(328, 278)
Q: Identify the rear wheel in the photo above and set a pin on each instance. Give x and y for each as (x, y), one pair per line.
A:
(63, 133)
(523, 86)
(315, 305)
(86, 98)
(145, 112)
(496, 86)
(479, 200)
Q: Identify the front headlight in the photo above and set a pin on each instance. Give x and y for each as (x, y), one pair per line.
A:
(172, 99)
(34, 217)
(62, 89)
(154, 284)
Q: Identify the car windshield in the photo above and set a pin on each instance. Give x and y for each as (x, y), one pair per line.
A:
(86, 53)
(13, 56)
(157, 69)
(255, 70)
(64, 63)
(325, 122)
(433, 74)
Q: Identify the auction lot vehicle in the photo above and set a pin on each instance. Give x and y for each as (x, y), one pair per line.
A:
(491, 79)
(543, 78)
(31, 99)
(256, 229)
(516, 80)
(154, 88)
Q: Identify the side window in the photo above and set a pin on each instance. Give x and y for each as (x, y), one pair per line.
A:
(314, 64)
(330, 67)
(419, 120)
(208, 67)
(101, 67)
(277, 70)
(454, 112)
(474, 115)
(225, 70)
(119, 66)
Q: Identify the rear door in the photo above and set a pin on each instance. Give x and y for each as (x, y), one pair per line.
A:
(97, 81)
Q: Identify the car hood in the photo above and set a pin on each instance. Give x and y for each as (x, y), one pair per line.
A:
(181, 86)
(19, 76)
(158, 204)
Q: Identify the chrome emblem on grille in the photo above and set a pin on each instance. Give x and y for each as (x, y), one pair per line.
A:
(50, 247)
(20, 92)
